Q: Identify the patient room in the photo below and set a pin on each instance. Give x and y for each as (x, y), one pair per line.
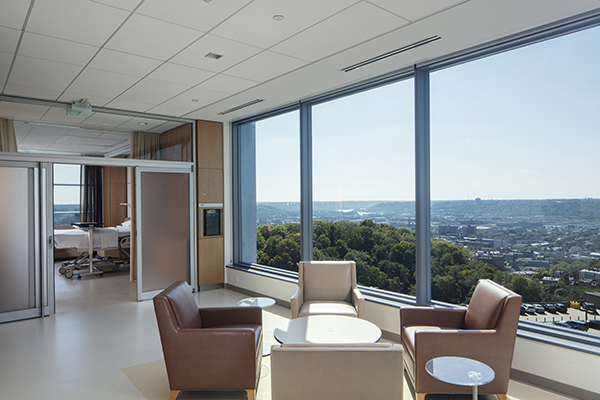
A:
(91, 202)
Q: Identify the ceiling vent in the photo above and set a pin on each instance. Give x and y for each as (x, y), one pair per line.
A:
(392, 53)
(248, 104)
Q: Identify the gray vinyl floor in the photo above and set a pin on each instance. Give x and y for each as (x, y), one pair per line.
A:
(102, 344)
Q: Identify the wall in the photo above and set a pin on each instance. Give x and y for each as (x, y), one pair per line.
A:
(176, 144)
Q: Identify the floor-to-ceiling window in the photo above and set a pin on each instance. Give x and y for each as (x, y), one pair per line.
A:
(514, 186)
(67, 192)
(364, 184)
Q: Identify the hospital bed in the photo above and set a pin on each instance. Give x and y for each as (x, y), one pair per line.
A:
(87, 238)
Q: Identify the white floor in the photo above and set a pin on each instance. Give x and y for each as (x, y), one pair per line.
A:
(102, 344)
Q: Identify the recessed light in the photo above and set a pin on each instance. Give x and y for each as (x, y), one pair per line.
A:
(278, 17)
(142, 123)
(195, 100)
(214, 56)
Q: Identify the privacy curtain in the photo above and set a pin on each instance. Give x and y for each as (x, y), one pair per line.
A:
(8, 141)
(91, 194)
(145, 145)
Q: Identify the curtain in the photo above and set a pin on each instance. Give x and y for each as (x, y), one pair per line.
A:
(91, 194)
(8, 140)
(145, 145)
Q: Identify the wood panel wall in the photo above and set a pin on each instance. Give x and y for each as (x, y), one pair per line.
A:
(176, 144)
(211, 257)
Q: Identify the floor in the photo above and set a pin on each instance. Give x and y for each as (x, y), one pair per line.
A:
(102, 344)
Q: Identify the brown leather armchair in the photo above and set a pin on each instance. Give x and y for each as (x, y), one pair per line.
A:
(327, 288)
(485, 331)
(208, 348)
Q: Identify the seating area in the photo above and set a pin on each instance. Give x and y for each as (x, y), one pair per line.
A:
(103, 344)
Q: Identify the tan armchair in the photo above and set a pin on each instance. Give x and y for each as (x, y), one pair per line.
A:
(208, 348)
(485, 331)
(327, 288)
(303, 371)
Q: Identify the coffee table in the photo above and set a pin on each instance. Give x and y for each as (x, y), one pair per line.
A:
(262, 302)
(460, 371)
(328, 329)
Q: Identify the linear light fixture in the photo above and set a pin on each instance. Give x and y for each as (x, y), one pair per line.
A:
(392, 53)
(248, 104)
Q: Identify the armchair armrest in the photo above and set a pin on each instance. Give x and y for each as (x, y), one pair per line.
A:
(429, 316)
(230, 315)
(358, 301)
(296, 302)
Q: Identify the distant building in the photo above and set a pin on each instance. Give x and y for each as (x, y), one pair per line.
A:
(587, 274)
(469, 230)
(547, 280)
(448, 230)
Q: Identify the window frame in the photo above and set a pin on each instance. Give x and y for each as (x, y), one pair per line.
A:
(420, 72)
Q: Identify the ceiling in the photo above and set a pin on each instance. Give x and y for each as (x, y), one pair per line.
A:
(150, 55)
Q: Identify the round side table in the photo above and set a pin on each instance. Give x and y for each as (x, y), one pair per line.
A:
(460, 371)
(262, 302)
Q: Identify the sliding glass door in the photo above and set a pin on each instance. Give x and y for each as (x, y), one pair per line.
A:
(24, 257)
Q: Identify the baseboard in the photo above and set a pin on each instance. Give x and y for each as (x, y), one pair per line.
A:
(552, 385)
(206, 288)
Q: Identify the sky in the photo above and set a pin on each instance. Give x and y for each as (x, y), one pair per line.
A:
(64, 173)
(524, 124)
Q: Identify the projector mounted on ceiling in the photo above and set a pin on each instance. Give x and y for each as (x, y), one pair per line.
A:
(79, 108)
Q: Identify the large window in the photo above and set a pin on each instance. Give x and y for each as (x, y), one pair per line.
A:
(67, 192)
(514, 186)
(364, 184)
(509, 164)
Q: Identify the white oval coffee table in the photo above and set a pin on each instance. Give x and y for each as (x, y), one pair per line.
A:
(328, 329)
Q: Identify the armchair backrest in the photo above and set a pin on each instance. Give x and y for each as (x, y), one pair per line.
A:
(488, 301)
(179, 300)
(327, 280)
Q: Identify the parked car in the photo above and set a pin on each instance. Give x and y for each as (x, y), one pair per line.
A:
(573, 324)
(539, 308)
(560, 307)
(581, 325)
(594, 324)
(523, 312)
(550, 308)
(529, 308)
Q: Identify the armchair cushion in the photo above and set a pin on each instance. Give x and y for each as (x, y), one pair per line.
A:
(184, 307)
(485, 306)
(327, 281)
(327, 308)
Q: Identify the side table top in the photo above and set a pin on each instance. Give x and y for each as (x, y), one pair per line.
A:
(460, 371)
(328, 329)
(262, 302)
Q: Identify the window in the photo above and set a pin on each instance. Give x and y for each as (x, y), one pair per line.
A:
(67, 192)
(364, 184)
(514, 187)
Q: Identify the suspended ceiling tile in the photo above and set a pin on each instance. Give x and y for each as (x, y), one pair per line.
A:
(106, 120)
(59, 50)
(138, 106)
(90, 141)
(115, 136)
(193, 14)
(43, 74)
(233, 52)
(255, 24)
(167, 126)
(168, 110)
(128, 5)
(81, 21)
(318, 42)
(21, 131)
(228, 84)
(151, 92)
(10, 39)
(5, 62)
(59, 115)
(13, 13)
(416, 9)
(149, 37)
(265, 66)
(101, 83)
(123, 63)
(192, 99)
(180, 74)
(42, 136)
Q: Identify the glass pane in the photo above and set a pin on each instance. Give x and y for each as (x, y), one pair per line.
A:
(165, 229)
(514, 185)
(16, 239)
(364, 185)
(67, 174)
(278, 191)
(172, 144)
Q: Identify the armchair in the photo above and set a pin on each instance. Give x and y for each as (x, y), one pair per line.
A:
(208, 348)
(485, 331)
(327, 288)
